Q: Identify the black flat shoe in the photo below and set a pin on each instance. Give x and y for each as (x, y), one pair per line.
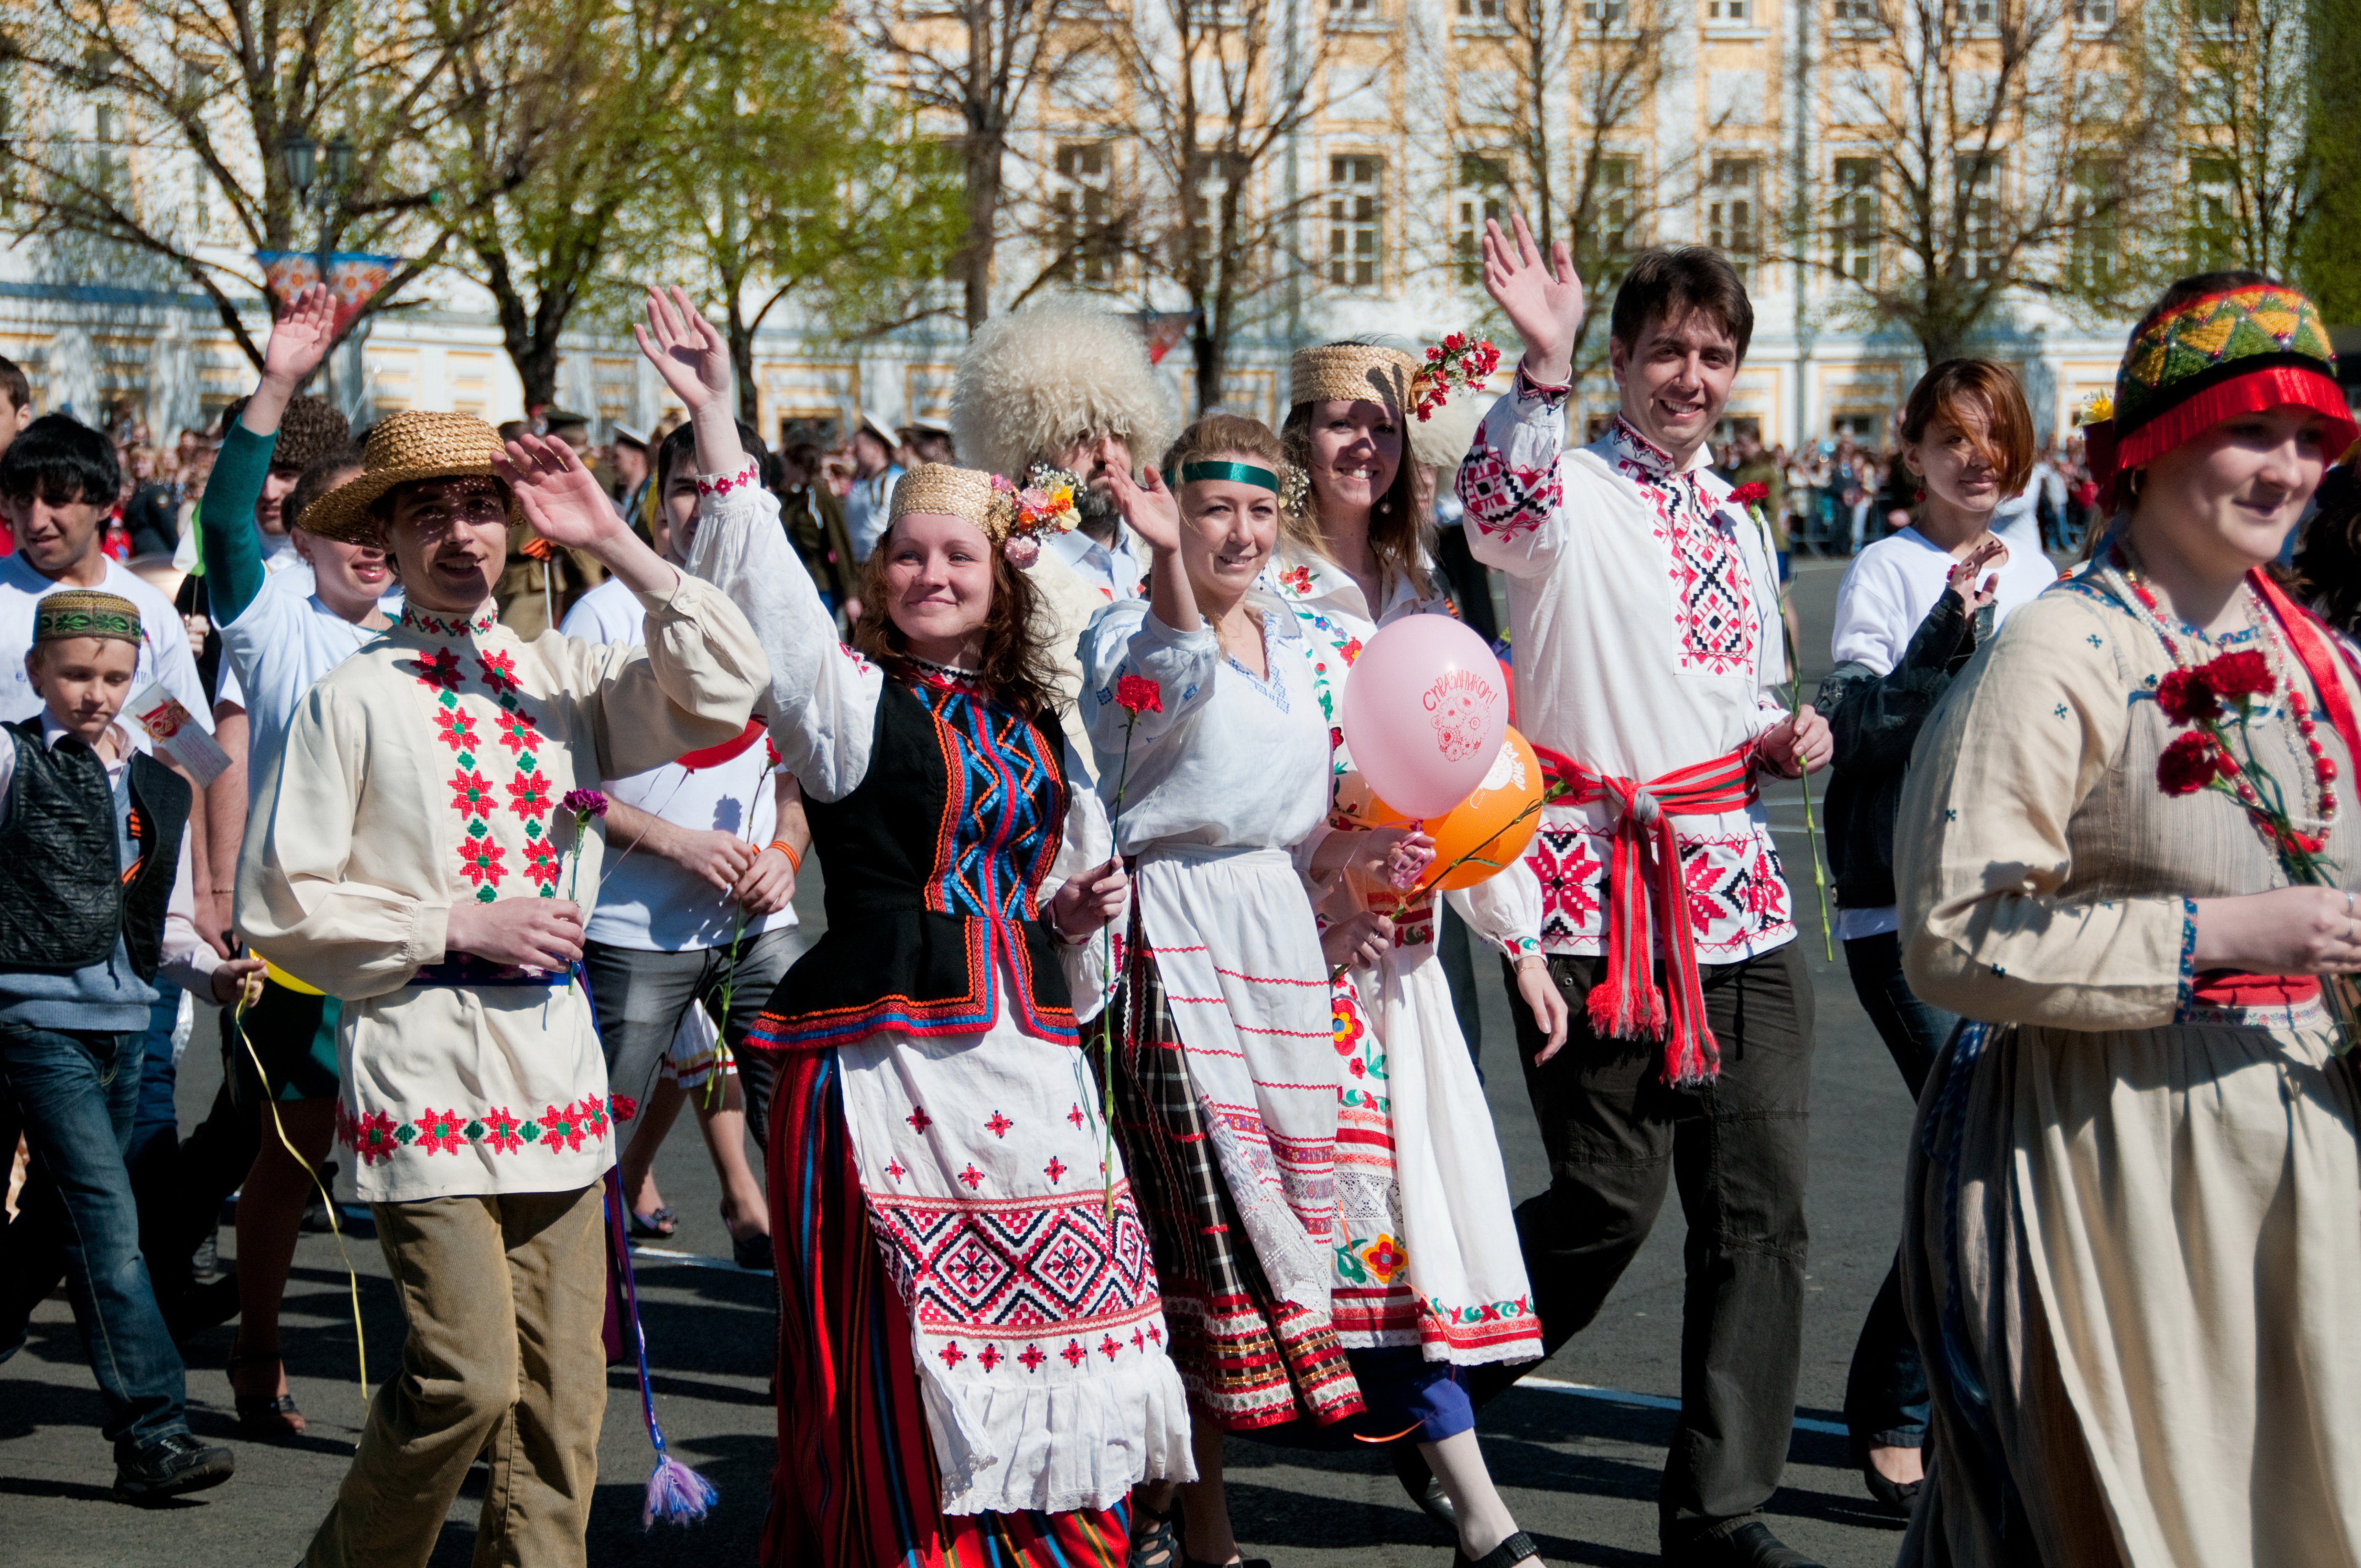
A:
(169, 1466)
(1896, 1497)
(1748, 1545)
(753, 1252)
(1424, 1487)
(1510, 1552)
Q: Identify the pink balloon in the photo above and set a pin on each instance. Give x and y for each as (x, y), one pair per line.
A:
(1424, 713)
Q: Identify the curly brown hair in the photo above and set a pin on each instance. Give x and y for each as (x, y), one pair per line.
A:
(1017, 669)
(1398, 528)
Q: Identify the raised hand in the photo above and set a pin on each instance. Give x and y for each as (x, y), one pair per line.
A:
(1964, 576)
(1544, 302)
(1151, 511)
(301, 339)
(564, 504)
(688, 350)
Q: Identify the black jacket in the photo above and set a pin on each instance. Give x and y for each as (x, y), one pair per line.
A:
(1875, 722)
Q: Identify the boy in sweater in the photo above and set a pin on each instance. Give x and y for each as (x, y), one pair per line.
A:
(95, 902)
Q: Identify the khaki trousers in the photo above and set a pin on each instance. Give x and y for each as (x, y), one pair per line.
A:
(506, 1295)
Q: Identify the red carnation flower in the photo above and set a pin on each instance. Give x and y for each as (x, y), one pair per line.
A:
(2187, 695)
(1138, 695)
(2243, 674)
(2189, 764)
(1751, 493)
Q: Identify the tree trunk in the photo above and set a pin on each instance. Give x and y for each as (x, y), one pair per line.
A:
(741, 354)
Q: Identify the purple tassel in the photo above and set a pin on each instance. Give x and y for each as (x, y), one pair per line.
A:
(676, 1493)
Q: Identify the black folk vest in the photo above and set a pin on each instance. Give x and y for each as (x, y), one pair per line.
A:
(934, 864)
(65, 895)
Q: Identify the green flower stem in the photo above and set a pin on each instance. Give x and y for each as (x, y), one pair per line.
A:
(1106, 1009)
(1795, 705)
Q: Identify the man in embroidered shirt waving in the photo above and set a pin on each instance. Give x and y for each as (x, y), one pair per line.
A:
(1645, 612)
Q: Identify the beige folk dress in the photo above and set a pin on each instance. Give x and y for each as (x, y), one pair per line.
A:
(2131, 1242)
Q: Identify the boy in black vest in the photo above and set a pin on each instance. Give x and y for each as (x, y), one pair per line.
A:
(96, 901)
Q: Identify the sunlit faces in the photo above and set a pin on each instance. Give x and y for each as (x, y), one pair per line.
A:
(349, 578)
(51, 536)
(85, 681)
(938, 585)
(1675, 379)
(2224, 502)
(1356, 450)
(449, 539)
(1955, 459)
(270, 513)
(1228, 528)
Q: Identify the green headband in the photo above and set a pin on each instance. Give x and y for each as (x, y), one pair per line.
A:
(1243, 473)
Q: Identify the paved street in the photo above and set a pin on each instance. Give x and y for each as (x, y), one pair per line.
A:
(1578, 1466)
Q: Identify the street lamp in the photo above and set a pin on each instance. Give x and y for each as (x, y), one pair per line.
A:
(326, 196)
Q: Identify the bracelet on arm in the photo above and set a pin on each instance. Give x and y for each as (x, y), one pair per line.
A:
(794, 859)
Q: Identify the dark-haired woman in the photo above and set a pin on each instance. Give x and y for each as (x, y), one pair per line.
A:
(1912, 608)
(2131, 1247)
(973, 1359)
(1428, 1280)
(2328, 561)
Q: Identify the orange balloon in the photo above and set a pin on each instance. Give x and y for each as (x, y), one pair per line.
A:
(1488, 829)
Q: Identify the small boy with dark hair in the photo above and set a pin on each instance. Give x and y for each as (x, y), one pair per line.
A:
(95, 903)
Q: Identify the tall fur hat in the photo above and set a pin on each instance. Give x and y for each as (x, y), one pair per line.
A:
(1034, 380)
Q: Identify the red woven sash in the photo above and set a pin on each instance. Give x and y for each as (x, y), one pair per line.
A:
(2309, 642)
(1627, 1004)
(714, 756)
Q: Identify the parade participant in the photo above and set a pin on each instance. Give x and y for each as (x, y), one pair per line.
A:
(282, 630)
(410, 856)
(932, 1106)
(1911, 609)
(696, 914)
(2130, 1245)
(874, 476)
(1225, 1084)
(1427, 1280)
(96, 901)
(1643, 609)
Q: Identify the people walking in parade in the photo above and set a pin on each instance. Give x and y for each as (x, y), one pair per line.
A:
(1643, 608)
(2130, 1245)
(411, 855)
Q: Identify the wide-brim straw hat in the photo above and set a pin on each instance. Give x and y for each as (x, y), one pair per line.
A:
(412, 445)
(1351, 372)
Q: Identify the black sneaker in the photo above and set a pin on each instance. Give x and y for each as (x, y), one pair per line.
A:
(169, 1467)
(1732, 1543)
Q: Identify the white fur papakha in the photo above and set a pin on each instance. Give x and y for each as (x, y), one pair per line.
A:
(1034, 381)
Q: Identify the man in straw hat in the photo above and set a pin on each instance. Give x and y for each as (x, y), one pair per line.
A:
(417, 854)
(1643, 607)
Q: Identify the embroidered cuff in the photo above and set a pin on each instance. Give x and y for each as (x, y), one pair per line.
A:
(2184, 1001)
(748, 476)
(1528, 390)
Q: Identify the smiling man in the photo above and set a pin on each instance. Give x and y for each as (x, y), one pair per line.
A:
(1645, 606)
(412, 855)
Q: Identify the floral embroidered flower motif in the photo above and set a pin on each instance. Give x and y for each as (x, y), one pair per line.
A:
(1109, 1346)
(542, 866)
(998, 1126)
(371, 1137)
(529, 794)
(479, 862)
(989, 1357)
(471, 793)
(1075, 1116)
(1055, 1170)
(500, 669)
(918, 1119)
(1345, 1024)
(439, 669)
(1384, 1258)
(562, 1127)
(950, 1354)
(519, 736)
(1350, 652)
(438, 1132)
(500, 1130)
(1031, 1358)
(1074, 1352)
(455, 729)
(972, 1177)
(1296, 580)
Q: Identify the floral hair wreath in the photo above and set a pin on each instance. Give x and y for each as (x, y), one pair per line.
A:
(1045, 506)
(1471, 359)
(1294, 489)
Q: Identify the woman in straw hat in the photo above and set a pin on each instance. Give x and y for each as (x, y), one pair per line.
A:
(2131, 1249)
(972, 1356)
(414, 853)
(1428, 1278)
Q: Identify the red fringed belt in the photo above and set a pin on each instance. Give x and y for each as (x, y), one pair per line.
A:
(1627, 1004)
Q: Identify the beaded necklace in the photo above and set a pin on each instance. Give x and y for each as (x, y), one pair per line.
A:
(2321, 796)
(944, 672)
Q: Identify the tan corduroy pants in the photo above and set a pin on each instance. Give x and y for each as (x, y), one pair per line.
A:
(506, 1295)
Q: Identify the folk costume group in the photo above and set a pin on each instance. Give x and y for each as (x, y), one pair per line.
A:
(1122, 1105)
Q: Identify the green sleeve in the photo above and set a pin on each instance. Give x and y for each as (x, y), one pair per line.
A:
(233, 553)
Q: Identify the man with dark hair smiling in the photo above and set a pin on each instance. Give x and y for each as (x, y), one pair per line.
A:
(1644, 604)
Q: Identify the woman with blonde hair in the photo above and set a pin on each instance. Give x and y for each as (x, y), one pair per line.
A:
(2131, 1248)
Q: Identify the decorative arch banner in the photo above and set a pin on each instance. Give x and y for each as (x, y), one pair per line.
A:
(355, 277)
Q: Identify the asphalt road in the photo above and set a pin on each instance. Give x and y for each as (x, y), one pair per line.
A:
(1578, 1468)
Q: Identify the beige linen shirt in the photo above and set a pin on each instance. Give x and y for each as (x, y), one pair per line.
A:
(429, 768)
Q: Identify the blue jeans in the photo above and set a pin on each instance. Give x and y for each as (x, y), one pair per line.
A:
(1886, 1388)
(76, 1094)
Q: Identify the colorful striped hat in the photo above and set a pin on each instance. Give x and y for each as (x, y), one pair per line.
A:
(2238, 351)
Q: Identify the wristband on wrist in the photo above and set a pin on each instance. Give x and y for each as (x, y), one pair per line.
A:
(793, 858)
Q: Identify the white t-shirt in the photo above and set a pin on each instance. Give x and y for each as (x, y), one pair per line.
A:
(163, 642)
(645, 901)
(284, 641)
(1885, 596)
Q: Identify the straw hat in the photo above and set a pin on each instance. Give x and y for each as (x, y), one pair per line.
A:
(941, 491)
(412, 445)
(1351, 372)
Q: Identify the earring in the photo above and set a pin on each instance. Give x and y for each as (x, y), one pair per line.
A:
(1922, 492)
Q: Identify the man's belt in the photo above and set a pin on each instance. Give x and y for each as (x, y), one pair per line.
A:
(1627, 1004)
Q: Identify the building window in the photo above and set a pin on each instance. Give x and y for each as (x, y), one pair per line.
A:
(1353, 10)
(2094, 13)
(2213, 214)
(1726, 12)
(1852, 231)
(1479, 10)
(1855, 12)
(1979, 215)
(2097, 260)
(1733, 200)
(1213, 175)
(1602, 13)
(1085, 206)
(1979, 13)
(2215, 16)
(1355, 189)
(1483, 193)
(1611, 220)
(106, 158)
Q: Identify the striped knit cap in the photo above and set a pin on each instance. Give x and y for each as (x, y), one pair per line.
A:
(2242, 350)
(84, 612)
